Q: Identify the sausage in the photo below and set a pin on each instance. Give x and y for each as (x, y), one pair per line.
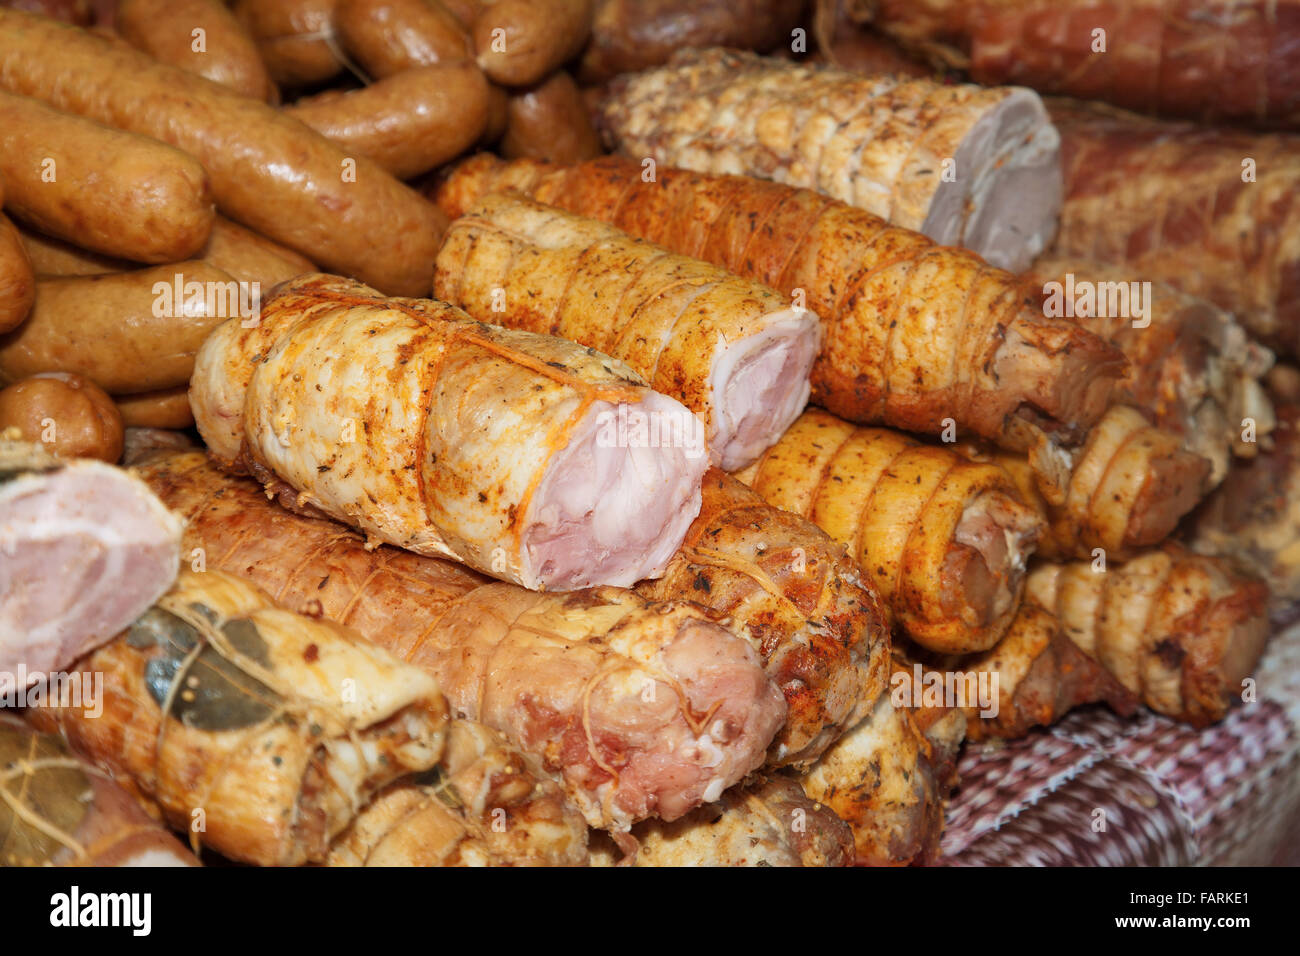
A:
(294, 37)
(550, 121)
(268, 171)
(17, 284)
(466, 11)
(517, 42)
(629, 35)
(165, 408)
(80, 12)
(73, 413)
(104, 189)
(118, 331)
(54, 257)
(389, 36)
(249, 257)
(408, 123)
(241, 252)
(224, 52)
(498, 115)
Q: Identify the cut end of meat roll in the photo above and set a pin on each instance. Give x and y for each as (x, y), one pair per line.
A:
(86, 548)
(615, 504)
(993, 540)
(760, 385)
(1006, 200)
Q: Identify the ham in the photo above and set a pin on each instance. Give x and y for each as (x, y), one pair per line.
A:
(425, 429)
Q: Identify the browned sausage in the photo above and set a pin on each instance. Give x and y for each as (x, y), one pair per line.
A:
(466, 11)
(241, 252)
(498, 115)
(80, 12)
(294, 37)
(165, 408)
(127, 332)
(268, 171)
(388, 36)
(54, 257)
(17, 285)
(224, 52)
(550, 121)
(408, 123)
(518, 42)
(68, 414)
(106, 190)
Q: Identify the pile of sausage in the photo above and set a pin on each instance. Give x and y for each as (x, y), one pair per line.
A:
(635, 499)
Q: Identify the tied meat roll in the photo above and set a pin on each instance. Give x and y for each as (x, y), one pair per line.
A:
(1192, 367)
(486, 803)
(961, 164)
(57, 810)
(943, 540)
(642, 708)
(84, 549)
(734, 352)
(769, 822)
(427, 430)
(1214, 212)
(1180, 631)
(257, 730)
(1209, 60)
(914, 335)
(819, 626)
(1124, 490)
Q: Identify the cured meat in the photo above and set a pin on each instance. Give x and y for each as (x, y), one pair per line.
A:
(643, 708)
(448, 437)
(634, 34)
(1204, 59)
(731, 350)
(964, 165)
(820, 629)
(84, 549)
(1124, 490)
(485, 804)
(915, 335)
(1214, 212)
(56, 810)
(1252, 520)
(1180, 631)
(1034, 675)
(770, 822)
(942, 539)
(1192, 368)
(257, 730)
(879, 779)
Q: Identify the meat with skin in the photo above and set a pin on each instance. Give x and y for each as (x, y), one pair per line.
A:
(1035, 675)
(943, 540)
(1252, 520)
(1181, 631)
(257, 730)
(914, 335)
(818, 626)
(1209, 60)
(843, 42)
(770, 822)
(1124, 490)
(1214, 212)
(964, 165)
(631, 35)
(84, 549)
(879, 779)
(643, 708)
(57, 810)
(1192, 368)
(485, 804)
(733, 351)
(427, 430)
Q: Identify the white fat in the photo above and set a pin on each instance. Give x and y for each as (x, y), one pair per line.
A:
(154, 858)
(714, 790)
(709, 754)
(609, 510)
(760, 386)
(1007, 196)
